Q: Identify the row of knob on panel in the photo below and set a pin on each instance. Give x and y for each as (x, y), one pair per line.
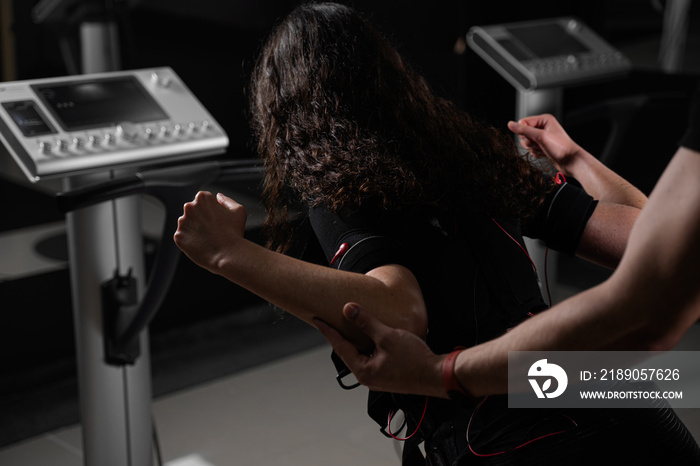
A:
(123, 134)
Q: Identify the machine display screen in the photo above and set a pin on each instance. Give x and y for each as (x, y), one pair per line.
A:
(28, 118)
(99, 103)
(543, 41)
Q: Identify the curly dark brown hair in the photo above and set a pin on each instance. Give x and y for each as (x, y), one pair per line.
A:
(341, 120)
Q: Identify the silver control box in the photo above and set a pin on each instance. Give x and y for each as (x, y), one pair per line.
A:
(71, 125)
(547, 53)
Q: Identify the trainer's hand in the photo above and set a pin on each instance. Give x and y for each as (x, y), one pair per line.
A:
(400, 363)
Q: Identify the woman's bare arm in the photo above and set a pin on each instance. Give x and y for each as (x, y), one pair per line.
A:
(211, 233)
(605, 236)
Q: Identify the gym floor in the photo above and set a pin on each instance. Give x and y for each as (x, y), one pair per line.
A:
(287, 412)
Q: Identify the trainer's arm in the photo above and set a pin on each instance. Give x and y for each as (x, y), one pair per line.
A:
(648, 304)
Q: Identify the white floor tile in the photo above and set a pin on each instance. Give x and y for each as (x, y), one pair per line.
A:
(290, 412)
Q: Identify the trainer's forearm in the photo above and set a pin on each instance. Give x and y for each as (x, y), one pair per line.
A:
(483, 369)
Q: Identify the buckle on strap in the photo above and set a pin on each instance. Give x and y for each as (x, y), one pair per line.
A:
(343, 372)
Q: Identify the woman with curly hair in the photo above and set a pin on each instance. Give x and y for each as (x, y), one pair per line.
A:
(419, 209)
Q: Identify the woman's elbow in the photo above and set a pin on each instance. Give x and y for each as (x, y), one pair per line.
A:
(404, 306)
(417, 320)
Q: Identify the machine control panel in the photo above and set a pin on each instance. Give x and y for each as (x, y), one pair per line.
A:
(77, 124)
(547, 53)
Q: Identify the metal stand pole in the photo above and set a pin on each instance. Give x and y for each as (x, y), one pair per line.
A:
(115, 401)
(99, 47)
(105, 240)
(538, 101)
(674, 35)
(534, 103)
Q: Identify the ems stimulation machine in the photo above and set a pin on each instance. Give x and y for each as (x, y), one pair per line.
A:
(539, 59)
(112, 137)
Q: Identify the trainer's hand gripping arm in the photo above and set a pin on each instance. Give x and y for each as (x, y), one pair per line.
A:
(400, 362)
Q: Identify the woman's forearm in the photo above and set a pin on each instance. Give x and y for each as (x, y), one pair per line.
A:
(601, 182)
(543, 136)
(308, 290)
(211, 233)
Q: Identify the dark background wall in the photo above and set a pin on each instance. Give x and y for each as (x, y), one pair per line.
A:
(212, 44)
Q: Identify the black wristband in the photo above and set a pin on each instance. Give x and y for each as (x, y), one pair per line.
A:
(560, 220)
